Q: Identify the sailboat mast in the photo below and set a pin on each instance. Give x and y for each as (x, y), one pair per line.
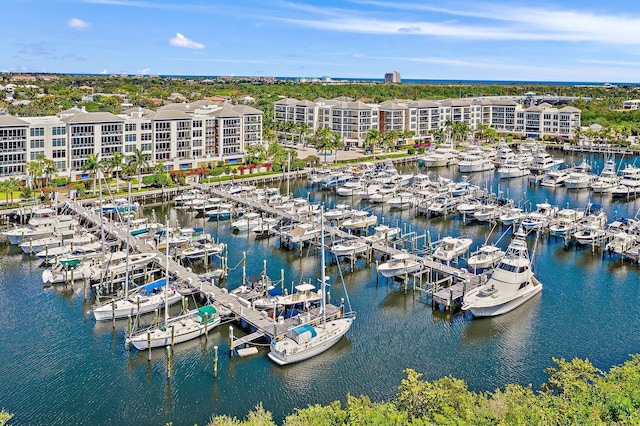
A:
(323, 267)
(166, 284)
(126, 274)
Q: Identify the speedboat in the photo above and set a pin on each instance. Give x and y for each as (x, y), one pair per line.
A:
(399, 264)
(511, 284)
(361, 219)
(383, 234)
(450, 248)
(350, 247)
(511, 216)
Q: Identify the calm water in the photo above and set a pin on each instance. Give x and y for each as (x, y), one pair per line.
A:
(58, 366)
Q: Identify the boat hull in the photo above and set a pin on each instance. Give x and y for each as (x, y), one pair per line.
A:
(503, 308)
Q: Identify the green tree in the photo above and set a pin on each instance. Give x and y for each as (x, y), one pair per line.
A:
(34, 169)
(139, 160)
(324, 141)
(115, 165)
(256, 153)
(336, 144)
(92, 165)
(372, 139)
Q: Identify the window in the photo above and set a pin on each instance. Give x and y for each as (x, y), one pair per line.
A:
(130, 138)
(35, 154)
(61, 165)
(58, 131)
(36, 143)
(129, 148)
(59, 153)
(145, 147)
(130, 127)
(145, 126)
(56, 142)
(37, 131)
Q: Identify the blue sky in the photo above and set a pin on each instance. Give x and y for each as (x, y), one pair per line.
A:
(578, 40)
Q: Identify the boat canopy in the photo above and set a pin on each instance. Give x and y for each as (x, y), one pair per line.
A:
(208, 311)
(302, 333)
(305, 287)
(155, 284)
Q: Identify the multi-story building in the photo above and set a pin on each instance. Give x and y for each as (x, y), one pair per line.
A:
(422, 117)
(392, 77)
(181, 136)
(631, 104)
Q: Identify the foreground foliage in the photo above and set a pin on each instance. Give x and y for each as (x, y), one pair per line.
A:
(576, 393)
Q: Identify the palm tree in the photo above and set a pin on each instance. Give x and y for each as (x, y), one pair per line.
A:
(115, 164)
(324, 141)
(92, 166)
(303, 130)
(139, 160)
(11, 185)
(372, 138)
(34, 169)
(336, 143)
(49, 169)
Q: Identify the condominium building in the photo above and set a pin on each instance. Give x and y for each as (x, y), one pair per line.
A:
(182, 136)
(392, 77)
(422, 117)
(631, 104)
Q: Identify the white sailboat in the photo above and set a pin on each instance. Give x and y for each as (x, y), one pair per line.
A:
(511, 284)
(307, 340)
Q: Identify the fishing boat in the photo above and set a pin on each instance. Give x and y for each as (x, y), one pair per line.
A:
(607, 179)
(221, 211)
(247, 221)
(301, 233)
(350, 247)
(511, 216)
(486, 256)
(399, 265)
(450, 248)
(511, 284)
(360, 219)
(341, 211)
(543, 162)
(307, 340)
(268, 226)
(402, 201)
(565, 222)
(383, 234)
(544, 213)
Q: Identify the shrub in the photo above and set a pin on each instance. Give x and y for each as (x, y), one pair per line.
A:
(276, 168)
(56, 182)
(220, 163)
(411, 150)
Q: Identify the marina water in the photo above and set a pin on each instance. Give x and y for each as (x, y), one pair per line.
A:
(58, 366)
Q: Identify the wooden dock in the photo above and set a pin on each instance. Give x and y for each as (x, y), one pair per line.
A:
(260, 325)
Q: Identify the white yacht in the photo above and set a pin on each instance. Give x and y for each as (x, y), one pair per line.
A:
(565, 222)
(607, 179)
(543, 162)
(511, 284)
(544, 213)
(511, 216)
(513, 168)
(554, 178)
(443, 156)
(475, 163)
(247, 221)
(629, 183)
(402, 201)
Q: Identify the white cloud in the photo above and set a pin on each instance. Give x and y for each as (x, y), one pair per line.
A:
(144, 71)
(181, 41)
(104, 71)
(77, 24)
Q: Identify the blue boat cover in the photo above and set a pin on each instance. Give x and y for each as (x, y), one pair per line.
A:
(155, 284)
(199, 230)
(304, 328)
(275, 292)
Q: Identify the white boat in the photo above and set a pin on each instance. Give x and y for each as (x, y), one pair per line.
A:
(513, 168)
(511, 216)
(301, 233)
(503, 154)
(463, 187)
(565, 222)
(268, 226)
(543, 162)
(486, 256)
(399, 265)
(66, 270)
(350, 247)
(402, 201)
(511, 284)
(146, 299)
(118, 205)
(383, 195)
(350, 189)
(247, 221)
(554, 178)
(341, 211)
(579, 180)
(475, 163)
(304, 296)
(383, 234)
(621, 243)
(450, 248)
(443, 156)
(588, 235)
(443, 205)
(368, 190)
(118, 264)
(544, 213)
(176, 330)
(487, 213)
(629, 183)
(187, 196)
(470, 206)
(607, 179)
(307, 340)
(360, 219)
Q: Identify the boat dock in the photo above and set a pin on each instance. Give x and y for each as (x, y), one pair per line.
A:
(260, 324)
